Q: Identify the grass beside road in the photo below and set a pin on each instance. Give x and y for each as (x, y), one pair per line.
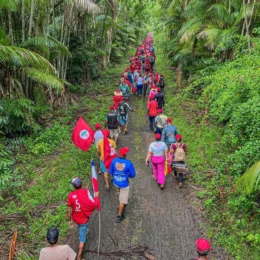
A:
(46, 168)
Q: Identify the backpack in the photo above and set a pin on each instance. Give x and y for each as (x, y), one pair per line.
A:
(124, 89)
(161, 83)
(112, 122)
(179, 155)
(122, 109)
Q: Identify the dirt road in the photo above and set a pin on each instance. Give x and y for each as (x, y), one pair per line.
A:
(163, 220)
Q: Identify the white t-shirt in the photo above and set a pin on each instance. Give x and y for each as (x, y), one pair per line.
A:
(158, 148)
(58, 252)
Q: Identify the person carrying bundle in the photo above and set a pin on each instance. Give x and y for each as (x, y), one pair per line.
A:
(178, 151)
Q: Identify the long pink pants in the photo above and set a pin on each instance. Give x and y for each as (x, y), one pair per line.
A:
(158, 168)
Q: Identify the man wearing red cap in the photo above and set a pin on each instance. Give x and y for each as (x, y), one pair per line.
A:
(152, 111)
(160, 121)
(80, 207)
(178, 154)
(203, 248)
(121, 170)
(112, 123)
(118, 97)
(169, 133)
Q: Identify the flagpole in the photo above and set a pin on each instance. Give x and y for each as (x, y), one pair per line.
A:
(99, 232)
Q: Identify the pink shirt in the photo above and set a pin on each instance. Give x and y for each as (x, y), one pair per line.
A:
(58, 252)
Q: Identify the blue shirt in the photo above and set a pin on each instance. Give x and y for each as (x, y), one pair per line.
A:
(168, 134)
(122, 169)
(97, 136)
(130, 77)
(140, 81)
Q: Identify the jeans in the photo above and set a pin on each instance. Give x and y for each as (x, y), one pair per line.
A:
(181, 177)
(158, 130)
(151, 118)
(139, 89)
(145, 89)
(83, 229)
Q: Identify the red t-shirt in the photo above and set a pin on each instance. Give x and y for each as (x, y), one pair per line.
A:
(132, 67)
(128, 83)
(117, 100)
(152, 107)
(82, 205)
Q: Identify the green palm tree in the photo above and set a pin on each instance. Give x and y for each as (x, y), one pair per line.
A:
(250, 180)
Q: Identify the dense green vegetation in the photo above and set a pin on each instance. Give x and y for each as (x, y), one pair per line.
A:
(53, 52)
(214, 47)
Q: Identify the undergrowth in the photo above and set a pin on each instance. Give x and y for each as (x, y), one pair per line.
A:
(45, 163)
(233, 218)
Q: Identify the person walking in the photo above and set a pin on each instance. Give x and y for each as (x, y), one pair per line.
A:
(112, 123)
(169, 132)
(178, 152)
(158, 152)
(98, 134)
(203, 248)
(139, 85)
(54, 250)
(118, 97)
(159, 97)
(152, 111)
(160, 121)
(107, 152)
(123, 111)
(80, 207)
(122, 169)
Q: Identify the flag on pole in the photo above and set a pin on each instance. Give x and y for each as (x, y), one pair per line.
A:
(95, 183)
(82, 135)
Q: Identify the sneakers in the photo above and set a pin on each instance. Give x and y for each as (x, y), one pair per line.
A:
(120, 218)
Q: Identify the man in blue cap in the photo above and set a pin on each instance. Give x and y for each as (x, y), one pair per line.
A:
(80, 207)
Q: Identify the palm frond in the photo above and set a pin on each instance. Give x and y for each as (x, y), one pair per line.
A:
(249, 181)
(16, 56)
(211, 36)
(46, 43)
(10, 5)
(87, 5)
(44, 78)
(220, 13)
(189, 34)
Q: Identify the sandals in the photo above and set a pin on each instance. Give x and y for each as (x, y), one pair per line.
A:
(180, 185)
(107, 187)
(162, 187)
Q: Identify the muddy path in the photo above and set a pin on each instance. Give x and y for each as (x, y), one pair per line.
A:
(164, 220)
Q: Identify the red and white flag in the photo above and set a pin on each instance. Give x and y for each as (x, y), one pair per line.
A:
(95, 182)
(82, 135)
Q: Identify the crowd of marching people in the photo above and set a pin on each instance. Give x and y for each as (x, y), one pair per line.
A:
(167, 153)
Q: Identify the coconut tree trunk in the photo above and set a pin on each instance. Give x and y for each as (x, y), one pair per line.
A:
(23, 21)
(10, 28)
(31, 19)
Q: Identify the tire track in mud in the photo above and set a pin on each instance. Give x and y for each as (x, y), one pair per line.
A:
(163, 220)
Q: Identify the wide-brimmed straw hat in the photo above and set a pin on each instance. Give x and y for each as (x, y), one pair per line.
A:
(118, 93)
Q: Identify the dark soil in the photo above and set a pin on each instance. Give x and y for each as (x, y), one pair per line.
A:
(164, 220)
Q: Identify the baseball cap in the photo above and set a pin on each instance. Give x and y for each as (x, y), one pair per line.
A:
(178, 136)
(76, 182)
(203, 246)
(97, 126)
(123, 151)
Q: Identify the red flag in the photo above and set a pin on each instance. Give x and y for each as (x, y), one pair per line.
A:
(82, 135)
(109, 151)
